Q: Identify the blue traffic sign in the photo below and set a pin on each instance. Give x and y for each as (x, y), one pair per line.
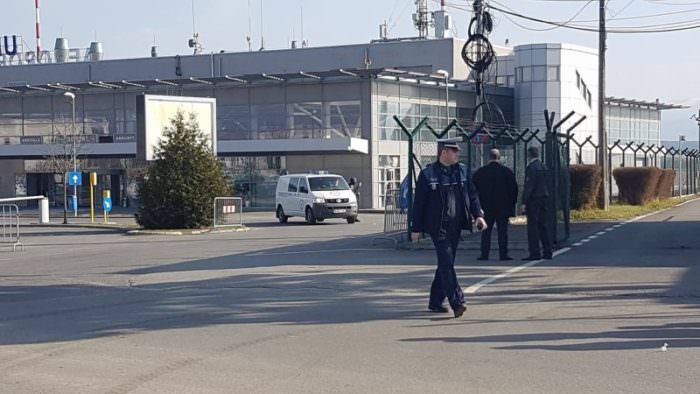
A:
(75, 178)
(107, 204)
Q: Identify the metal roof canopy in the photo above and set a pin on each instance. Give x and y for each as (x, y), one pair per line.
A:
(641, 103)
(236, 80)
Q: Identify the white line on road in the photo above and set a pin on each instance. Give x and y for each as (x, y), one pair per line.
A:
(475, 287)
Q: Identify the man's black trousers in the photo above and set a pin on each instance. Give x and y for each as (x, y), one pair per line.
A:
(502, 227)
(445, 284)
(538, 228)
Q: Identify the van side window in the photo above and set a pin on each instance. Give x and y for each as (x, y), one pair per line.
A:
(303, 186)
(293, 185)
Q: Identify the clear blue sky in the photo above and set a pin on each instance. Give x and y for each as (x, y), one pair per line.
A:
(646, 66)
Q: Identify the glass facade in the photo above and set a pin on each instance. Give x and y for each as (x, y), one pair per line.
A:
(254, 179)
(633, 124)
(41, 116)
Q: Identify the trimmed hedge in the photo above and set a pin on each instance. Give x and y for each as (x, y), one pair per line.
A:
(664, 189)
(640, 185)
(585, 185)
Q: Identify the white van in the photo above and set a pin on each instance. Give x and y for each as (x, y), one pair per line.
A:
(315, 198)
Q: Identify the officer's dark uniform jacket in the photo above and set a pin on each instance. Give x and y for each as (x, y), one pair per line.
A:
(428, 209)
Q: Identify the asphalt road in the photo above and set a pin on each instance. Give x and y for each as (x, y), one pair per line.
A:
(301, 308)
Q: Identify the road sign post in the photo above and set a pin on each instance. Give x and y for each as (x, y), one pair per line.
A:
(93, 183)
(75, 179)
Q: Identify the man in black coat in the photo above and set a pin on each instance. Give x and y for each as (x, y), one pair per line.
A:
(498, 193)
(445, 203)
(535, 204)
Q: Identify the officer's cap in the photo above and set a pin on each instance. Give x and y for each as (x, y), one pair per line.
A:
(452, 143)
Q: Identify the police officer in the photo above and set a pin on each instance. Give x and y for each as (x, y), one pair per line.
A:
(445, 204)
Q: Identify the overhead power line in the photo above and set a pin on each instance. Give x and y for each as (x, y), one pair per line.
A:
(664, 28)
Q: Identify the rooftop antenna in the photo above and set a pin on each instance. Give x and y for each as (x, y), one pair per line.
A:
(194, 41)
(304, 43)
(249, 36)
(262, 27)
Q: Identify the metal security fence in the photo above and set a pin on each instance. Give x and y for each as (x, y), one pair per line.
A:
(9, 220)
(228, 211)
(395, 218)
(685, 162)
(479, 138)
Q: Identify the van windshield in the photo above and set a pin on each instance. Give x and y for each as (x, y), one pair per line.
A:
(328, 183)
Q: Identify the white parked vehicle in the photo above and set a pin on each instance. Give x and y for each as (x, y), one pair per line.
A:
(315, 198)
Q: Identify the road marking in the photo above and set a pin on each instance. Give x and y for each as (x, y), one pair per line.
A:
(475, 287)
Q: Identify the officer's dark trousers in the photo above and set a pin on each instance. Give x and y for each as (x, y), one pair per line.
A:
(537, 227)
(502, 227)
(445, 282)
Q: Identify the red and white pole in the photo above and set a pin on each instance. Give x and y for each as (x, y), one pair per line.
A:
(38, 31)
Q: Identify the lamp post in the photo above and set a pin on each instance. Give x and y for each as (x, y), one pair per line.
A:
(71, 97)
(445, 74)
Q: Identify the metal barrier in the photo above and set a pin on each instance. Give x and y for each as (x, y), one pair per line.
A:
(9, 220)
(395, 219)
(228, 211)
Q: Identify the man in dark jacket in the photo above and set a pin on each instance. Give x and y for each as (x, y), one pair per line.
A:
(445, 203)
(498, 193)
(535, 202)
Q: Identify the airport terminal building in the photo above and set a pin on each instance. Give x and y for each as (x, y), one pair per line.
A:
(301, 109)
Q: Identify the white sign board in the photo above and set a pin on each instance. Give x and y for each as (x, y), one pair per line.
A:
(155, 113)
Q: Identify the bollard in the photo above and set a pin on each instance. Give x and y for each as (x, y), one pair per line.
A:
(44, 211)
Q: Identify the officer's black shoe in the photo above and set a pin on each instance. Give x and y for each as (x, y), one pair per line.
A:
(437, 309)
(547, 257)
(482, 258)
(459, 310)
(532, 258)
(507, 258)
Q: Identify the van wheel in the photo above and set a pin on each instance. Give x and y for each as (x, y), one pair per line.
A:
(281, 216)
(310, 218)
(351, 219)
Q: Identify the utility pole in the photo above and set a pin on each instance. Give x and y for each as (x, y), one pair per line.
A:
(604, 198)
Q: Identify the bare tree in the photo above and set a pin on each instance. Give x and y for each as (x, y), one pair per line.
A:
(59, 158)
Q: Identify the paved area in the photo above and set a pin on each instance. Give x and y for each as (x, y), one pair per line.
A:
(301, 308)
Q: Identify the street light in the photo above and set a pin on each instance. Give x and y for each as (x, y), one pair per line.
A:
(71, 97)
(445, 74)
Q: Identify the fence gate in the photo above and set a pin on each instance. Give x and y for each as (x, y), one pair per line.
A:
(228, 211)
(9, 220)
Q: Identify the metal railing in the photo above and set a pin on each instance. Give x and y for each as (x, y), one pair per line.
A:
(228, 212)
(9, 220)
(395, 219)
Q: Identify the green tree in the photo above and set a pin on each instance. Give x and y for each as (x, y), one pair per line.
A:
(180, 185)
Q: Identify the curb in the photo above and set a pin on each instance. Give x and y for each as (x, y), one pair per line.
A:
(108, 226)
(189, 232)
